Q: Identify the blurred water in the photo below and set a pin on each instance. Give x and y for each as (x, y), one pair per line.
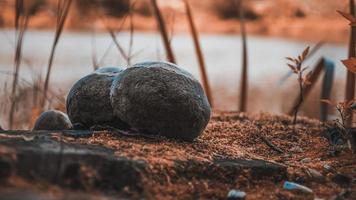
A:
(222, 53)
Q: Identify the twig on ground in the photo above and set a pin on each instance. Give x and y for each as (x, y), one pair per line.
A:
(269, 143)
(126, 133)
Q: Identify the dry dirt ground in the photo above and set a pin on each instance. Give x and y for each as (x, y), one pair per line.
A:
(231, 154)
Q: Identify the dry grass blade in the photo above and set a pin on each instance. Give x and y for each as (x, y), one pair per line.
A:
(117, 44)
(199, 53)
(132, 31)
(113, 43)
(63, 9)
(21, 22)
(37, 87)
(163, 31)
(126, 56)
(244, 78)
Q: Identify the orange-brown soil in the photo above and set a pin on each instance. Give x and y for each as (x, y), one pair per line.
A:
(229, 136)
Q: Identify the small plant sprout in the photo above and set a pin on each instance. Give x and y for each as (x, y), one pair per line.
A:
(303, 80)
(345, 110)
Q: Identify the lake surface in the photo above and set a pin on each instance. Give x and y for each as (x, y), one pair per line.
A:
(73, 59)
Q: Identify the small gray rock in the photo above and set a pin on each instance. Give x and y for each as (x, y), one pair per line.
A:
(306, 160)
(88, 102)
(52, 120)
(160, 98)
(236, 195)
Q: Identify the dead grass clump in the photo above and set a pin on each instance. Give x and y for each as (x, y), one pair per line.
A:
(28, 96)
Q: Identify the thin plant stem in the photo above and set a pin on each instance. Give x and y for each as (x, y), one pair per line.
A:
(21, 23)
(163, 31)
(244, 81)
(63, 9)
(350, 77)
(199, 52)
(301, 98)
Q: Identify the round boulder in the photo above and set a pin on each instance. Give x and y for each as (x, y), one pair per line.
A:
(88, 102)
(162, 99)
(52, 120)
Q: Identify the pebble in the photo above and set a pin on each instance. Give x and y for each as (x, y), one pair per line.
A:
(236, 195)
(306, 160)
(52, 120)
(296, 149)
(295, 186)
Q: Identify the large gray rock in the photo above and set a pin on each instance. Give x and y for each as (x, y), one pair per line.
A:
(52, 120)
(88, 102)
(160, 98)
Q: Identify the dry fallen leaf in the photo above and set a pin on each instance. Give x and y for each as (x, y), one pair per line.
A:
(350, 64)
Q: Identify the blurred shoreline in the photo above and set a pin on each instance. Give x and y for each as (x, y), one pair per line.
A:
(291, 19)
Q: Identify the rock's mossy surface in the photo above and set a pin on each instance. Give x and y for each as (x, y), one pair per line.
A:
(160, 98)
(88, 102)
(52, 120)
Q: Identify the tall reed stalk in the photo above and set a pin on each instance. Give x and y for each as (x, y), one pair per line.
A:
(350, 77)
(244, 78)
(199, 52)
(63, 9)
(21, 23)
(163, 31)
